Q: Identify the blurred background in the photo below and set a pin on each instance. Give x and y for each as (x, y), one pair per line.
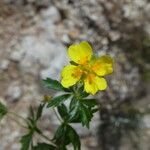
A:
(34, 36)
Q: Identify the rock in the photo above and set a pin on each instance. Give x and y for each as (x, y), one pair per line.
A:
(51, 14)
(14, 92)
(146, 121)
(2, 100)
(4, 64)
(114, 35)
(41, 52)
(38, 3)
(17, 55)
(13, 1)
(65, 39)
(42, 3)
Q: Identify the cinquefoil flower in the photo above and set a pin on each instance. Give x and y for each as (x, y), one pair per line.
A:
(88, 68)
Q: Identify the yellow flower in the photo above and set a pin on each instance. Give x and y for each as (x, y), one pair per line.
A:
(89, 69)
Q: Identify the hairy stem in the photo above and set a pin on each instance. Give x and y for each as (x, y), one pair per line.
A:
(47, 138)
(18, 116)
(23, 126)
(58, 117)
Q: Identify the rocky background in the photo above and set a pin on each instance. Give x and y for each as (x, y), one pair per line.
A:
(34, 36)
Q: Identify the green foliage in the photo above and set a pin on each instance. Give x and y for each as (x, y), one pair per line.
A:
(79, 109)
(39, 111)
(26, 141)
(53, 84)
(56, 101)
(74, 138)
(63, 112)
(66, 135)
(86, 115)
(3, 110)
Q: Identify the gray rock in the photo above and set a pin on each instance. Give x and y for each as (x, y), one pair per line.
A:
(146, 121)
(4, 64)
(65, 38)
(17, 55)
(14, 92)
(38, 53)
(114, 35)
(51, 14)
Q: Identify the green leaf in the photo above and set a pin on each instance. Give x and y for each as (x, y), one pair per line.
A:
(33, 117)
(56, 101)
(82, 111)
(63, 112)
(60, 137)
(53, 84)
(84, 94)
(86, 115)
(74, 110)
(73, 103)
(31, 111)
(39, 111)
(65, 135)
(59, 132)
(73, 63)
(26, 141)
(89, 102)
(44, 146)
(74, 138)
(3, 110)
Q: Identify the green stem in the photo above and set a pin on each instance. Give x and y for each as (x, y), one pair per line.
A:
(58, 117)
(18, 116)
(18, 122)
(14, 114)
(47, 138)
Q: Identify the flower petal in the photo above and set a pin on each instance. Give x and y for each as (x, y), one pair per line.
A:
(103, 66)
(93, 83)
(80, 53)
(101, 83)
(70, 75)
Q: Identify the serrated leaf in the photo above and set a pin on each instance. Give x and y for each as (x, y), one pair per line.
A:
(84, 94)
(26, 141)
(63, 112)
(72, 103)
(31, 111)
(56, 101)
(89, 102)
(53, 84)
(44, 146)
(86, 115)
(59, 132)
(3, 110)
(74, 138)
(74, 111)
(39, 111)
(61, 136)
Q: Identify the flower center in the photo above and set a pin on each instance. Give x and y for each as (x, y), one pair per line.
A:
(84, 60)
(77, 73)
(90, 78)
